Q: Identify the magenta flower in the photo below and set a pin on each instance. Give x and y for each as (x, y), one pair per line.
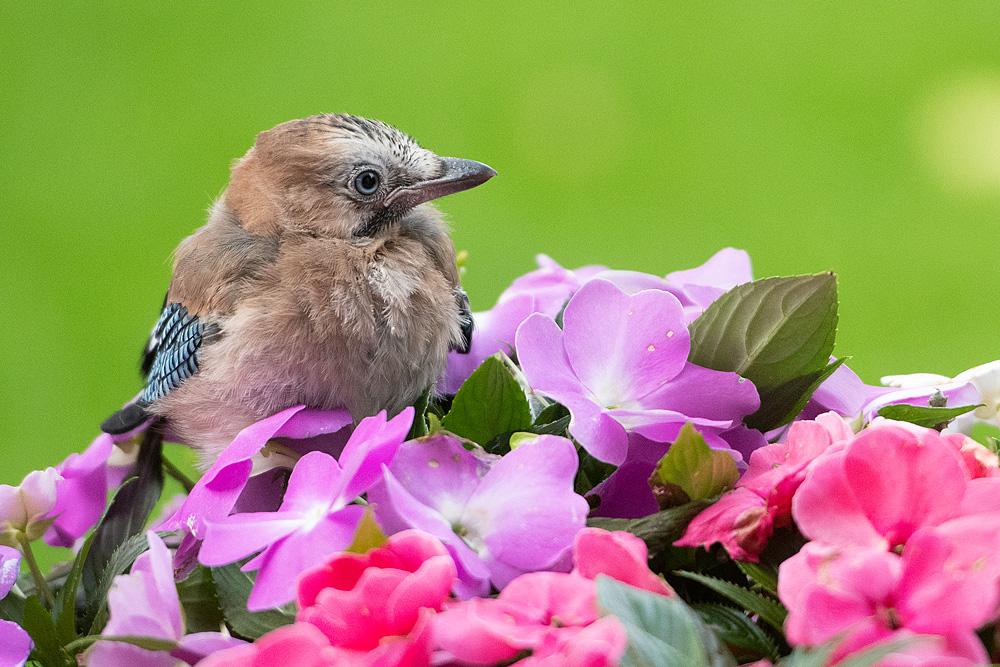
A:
(145, 603)
(620, 365)
(869, 595)
(498, 518)
(216, 492)
(316, 517)
(81, 493)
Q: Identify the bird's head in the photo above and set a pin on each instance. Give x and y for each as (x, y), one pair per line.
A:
(341, 176)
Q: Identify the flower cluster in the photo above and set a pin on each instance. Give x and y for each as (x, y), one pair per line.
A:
(549, 503)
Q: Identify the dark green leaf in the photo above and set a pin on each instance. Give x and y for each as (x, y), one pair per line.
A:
(420, 428)
(557, 427)
(659, 531)
(780, 405)
(927, 417)
(489, 403)
(662, 631)
(763, 575)
(743, 636)
(12, 608)
(128, 511)
(233, 588)
(39, 626)
(65, 609)
(202, 612)
(698, 470)
(769, 331)
(590, 472)
(553, 413)
(770, 611)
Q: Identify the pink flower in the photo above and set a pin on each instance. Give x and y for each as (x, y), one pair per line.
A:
(361, 602)
(553, 614)
(27, 509)
(81, 493)
(889, 481)
(145, 603)
(743, 519)
(316, 517)
(868, 595)
(299, 644)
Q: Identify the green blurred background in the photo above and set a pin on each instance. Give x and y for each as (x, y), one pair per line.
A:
(844, 136)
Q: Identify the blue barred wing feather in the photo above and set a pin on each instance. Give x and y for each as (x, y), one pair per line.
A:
(170, 357)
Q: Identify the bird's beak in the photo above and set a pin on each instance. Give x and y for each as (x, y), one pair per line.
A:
(458, 175)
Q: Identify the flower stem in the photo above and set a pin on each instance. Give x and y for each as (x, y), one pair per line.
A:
(176, 473)
(41, 586)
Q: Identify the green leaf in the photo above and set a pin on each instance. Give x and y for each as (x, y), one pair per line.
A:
(12, 608)
(129, 509)
(764, 576)
(659, 531)
(234, 587)
(65, 609)
(780, 405)
(557, 427)
(662, 631)
(420, 426)
(698, 470)
(735, 629)
(590, 472)
(770, 611)
(368, 536)
(39, 626)
(553, 413)
(488, 404)
(769, 331)
(924, 416)
(200, 602)
(820, 655)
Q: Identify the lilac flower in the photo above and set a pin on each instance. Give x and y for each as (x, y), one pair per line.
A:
(27, 509)
(145, 603)
(498, 517)
(15, 644)
(620, 365)
(546, 290)
(315, 519)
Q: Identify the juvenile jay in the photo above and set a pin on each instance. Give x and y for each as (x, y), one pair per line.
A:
(323, 277)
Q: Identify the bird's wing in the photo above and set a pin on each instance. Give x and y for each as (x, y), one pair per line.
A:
(170, 357)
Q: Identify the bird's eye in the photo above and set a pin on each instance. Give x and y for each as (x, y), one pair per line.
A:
(367, 182)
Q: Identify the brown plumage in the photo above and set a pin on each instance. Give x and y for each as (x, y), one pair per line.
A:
(321, 278)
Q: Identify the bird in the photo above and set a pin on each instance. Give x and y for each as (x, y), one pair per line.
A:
(324, 276)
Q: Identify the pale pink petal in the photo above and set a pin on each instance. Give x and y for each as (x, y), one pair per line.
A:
(619, 555)
(543, 358)
(310, 483)
(10, 567)
(726, 269)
